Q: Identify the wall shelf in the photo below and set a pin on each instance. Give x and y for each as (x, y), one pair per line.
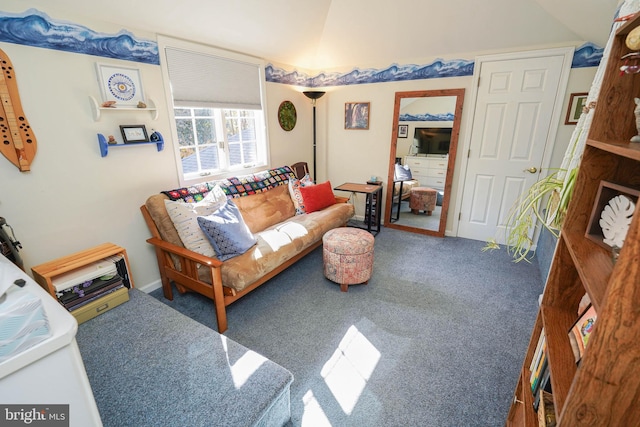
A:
(97, 110)
(156, 139)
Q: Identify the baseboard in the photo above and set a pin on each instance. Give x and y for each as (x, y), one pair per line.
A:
(149, 287)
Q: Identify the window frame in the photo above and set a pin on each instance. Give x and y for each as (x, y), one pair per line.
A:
(262, 150)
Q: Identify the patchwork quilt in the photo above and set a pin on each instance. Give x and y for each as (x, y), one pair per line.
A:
(235, 186)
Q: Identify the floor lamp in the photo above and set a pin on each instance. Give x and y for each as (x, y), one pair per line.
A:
(313, 96)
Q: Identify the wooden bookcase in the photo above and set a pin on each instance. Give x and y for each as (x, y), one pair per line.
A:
(604, 388)
(44, 274)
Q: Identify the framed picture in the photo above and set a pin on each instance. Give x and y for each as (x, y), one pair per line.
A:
(576, 104)
(403, 131)
(356, 115)
(611, 214)
(120, 84)
(134, 133)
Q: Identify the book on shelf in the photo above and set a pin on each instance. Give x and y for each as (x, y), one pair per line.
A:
(546, 410)
(70, 305)
(539, 357)
(121, 266)
(103, 267)
(537, 353)
(540, 372)
(84, 289)
(544, 383)
(580, 332)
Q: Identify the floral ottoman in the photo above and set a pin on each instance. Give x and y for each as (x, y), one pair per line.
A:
(423, 199)
(348, 256)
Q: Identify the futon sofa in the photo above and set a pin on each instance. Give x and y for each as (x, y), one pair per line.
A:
(283, 231)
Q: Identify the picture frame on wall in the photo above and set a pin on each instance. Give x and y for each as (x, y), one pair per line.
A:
(577, 102)
(403, 131)
(132, 134)
(120, 84)
(356, 115)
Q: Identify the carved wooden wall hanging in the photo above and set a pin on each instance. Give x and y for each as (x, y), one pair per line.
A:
(18, 142)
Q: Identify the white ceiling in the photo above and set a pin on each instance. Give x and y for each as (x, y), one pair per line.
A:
(325, 34)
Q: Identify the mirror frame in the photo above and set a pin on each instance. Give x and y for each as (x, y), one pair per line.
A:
(453, 149)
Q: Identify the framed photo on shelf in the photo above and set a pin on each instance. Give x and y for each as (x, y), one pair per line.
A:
(120, 84)
(356, 115)
(577, 102)
(403, 131)
(132, 134)
(611, 214)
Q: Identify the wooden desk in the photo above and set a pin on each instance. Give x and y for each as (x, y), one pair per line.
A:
(374, 194)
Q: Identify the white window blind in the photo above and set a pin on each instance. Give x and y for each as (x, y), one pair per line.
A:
(201, 80)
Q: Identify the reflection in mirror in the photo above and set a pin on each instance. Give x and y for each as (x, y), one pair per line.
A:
(424, 143)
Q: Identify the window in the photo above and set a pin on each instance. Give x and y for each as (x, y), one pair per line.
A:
(213, 139)
(217, 103)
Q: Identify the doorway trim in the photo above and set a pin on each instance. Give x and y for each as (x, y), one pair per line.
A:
(567, 52)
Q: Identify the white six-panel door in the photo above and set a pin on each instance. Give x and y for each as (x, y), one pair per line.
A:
(514, 113)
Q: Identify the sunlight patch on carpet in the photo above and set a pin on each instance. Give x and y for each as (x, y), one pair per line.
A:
(244, 367)
(313, 413)
(349, 368)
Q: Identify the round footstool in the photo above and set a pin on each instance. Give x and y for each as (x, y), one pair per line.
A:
(423, 199)
(347, 254)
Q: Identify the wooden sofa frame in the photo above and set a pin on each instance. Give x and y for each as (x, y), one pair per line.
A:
(186, 278)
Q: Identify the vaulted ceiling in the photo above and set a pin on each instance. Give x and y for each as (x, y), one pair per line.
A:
(327, 34)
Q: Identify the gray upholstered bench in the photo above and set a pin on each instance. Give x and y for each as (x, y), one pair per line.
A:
(150, 365)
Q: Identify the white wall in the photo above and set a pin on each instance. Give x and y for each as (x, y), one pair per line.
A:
(288, 147)
(73, 199)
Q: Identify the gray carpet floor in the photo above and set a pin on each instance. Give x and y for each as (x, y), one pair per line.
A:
(436, 338)
(421, 220)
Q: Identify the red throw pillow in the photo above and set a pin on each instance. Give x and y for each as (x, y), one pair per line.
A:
(317, 197)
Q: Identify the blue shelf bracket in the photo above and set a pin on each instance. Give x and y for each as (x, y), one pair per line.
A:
(156, 138)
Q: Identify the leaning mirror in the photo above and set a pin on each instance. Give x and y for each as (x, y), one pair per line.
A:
(424, 143)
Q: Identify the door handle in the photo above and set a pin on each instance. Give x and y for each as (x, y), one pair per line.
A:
(532, 169)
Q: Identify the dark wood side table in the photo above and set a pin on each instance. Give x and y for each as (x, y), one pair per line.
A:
(376, 200)
(373, 194)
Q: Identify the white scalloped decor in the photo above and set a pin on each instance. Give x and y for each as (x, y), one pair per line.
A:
(615, 220)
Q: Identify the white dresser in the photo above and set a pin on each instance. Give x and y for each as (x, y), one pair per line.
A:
(52, 371)
(429, 171)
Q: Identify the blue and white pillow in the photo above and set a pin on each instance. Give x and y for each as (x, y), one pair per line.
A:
(227, 232)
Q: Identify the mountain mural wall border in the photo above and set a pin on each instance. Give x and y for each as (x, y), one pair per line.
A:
(36, 28)
(587, 55)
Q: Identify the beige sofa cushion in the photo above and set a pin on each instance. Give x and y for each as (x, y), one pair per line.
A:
(279, 243)
(263, 210)
(158, 211)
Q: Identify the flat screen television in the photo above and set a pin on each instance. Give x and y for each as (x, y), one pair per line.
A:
(434, 141)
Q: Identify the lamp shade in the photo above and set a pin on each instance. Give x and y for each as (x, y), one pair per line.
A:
(313, 94)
